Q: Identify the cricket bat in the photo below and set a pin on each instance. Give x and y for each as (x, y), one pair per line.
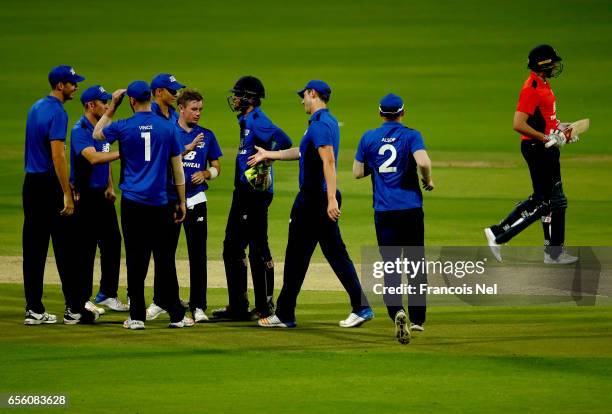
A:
(575, 128)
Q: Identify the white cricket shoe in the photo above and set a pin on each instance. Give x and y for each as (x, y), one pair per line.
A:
(495, 248)
(402, 333)
(93, 308)
(199, 315)
(274, 322)
(33, 318)
(357, 319)
(115, 304)
(186, 322)
(153, 311)
(562, 259)
(415, 327)
(133, 324)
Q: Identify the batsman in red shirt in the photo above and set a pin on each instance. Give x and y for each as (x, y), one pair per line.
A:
(536, 120)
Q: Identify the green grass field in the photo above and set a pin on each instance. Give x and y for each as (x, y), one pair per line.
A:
(459, 67)
(536, 359)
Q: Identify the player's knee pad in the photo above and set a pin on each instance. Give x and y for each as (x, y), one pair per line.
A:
(558, 201)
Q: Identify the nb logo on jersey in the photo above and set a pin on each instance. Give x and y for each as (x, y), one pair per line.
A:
(190, 156)
(200, 145)
(200, 219)
(247, 132)
(145, 127)
(106, 147)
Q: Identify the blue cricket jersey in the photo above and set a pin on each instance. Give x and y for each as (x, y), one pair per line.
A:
(82, 173)
(146, 144)
(322, 130)
(387, 151)
(173, 115)
(197, 160)
(173, 120)
(256, 129)
(47, 121)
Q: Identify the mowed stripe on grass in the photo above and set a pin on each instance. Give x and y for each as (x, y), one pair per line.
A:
(553, 359)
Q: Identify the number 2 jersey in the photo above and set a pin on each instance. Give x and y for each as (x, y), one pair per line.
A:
(147, 142)
(387, 154)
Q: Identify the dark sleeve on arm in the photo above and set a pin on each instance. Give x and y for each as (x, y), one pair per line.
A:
(281, 140)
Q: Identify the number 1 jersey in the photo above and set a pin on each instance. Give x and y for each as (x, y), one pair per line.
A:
(147, 142)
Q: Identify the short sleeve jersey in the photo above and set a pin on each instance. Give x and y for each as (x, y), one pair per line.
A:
(538, 101)
(388, 152)
(146, 143)
(197, 160)
(322, 130)
(82, 173)
(255, 129)
(47, 121)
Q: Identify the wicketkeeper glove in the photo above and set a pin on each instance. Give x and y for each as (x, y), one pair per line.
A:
(259, 176)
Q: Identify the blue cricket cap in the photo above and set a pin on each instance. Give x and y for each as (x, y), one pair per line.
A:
(95, 92)
(139, 90)
(318, 85)
(166, 80)
(391, 104)
(64, 73)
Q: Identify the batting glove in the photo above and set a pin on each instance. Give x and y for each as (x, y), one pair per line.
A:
(557, 137)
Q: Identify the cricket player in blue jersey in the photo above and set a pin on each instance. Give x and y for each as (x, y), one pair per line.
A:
(392, 154)
(147, 145)
(48, 203)
(91, 177)
(315, 212)
(165, 88)
(201, 164)
(247, 223)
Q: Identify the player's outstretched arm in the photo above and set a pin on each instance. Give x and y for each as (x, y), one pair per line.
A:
(107, 118)
(424, 165)
(264, 155)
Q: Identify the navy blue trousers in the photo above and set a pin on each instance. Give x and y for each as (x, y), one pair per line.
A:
(308, 227)
(401, 233)
(97, 226)
(43, 199)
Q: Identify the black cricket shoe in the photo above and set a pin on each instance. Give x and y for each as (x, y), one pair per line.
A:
(228, 313)
(85, 317)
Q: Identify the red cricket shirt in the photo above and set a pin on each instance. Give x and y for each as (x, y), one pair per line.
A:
(538, 101)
